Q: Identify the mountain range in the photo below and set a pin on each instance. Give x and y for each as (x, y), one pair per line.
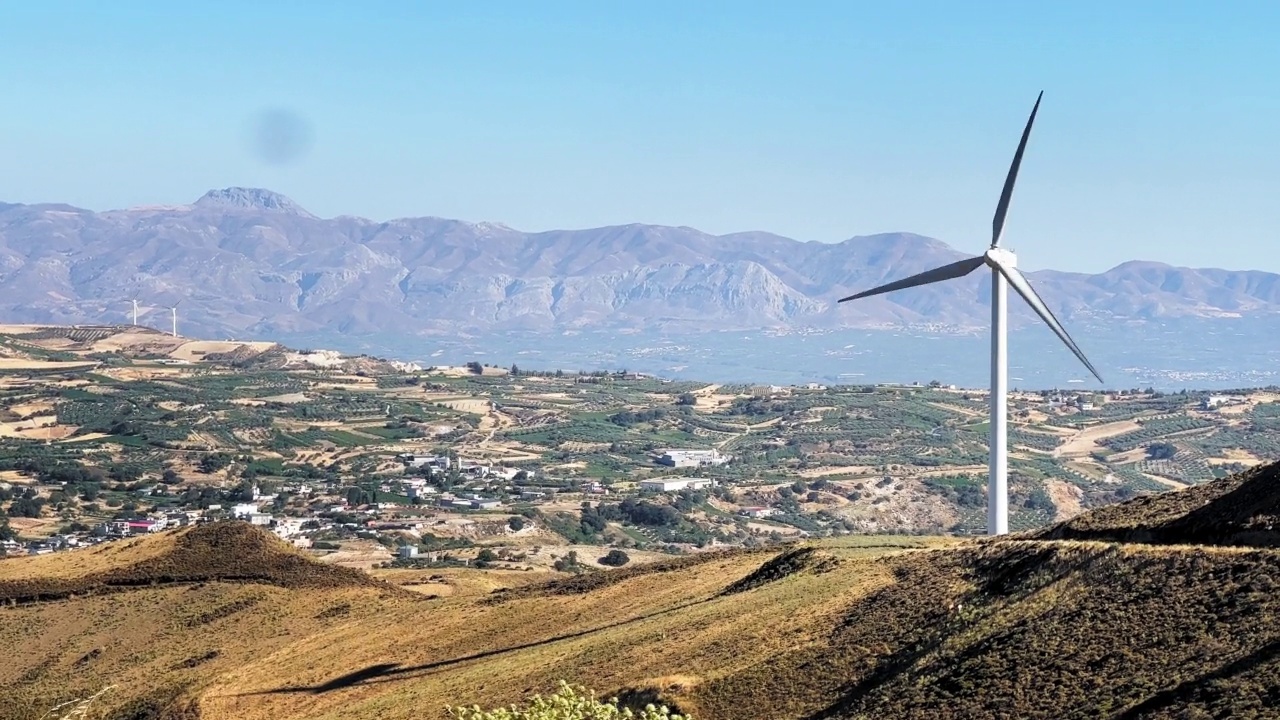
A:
(251, 262)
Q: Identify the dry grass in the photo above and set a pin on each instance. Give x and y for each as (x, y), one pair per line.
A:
(860, 627)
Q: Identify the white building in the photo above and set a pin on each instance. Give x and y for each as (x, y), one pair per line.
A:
(417, 491)
(675, 484)
(693, 458)
(243, 510)
(413, 460)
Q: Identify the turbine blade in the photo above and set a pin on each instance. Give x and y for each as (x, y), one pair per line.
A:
(1028, 293)
(946, 272)
(1002, 209)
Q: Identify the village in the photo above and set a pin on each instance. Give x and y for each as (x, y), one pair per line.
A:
(114, 432)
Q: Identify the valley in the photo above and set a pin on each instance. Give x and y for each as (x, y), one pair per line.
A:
(232, 530)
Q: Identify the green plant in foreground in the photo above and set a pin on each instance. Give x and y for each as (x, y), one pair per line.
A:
(569, 703)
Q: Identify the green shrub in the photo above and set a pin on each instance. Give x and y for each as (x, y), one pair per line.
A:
(569, 703)
(615, 558)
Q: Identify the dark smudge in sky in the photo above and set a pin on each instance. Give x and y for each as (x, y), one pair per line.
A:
(280, 137)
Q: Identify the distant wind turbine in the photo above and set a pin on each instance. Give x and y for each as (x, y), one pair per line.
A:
(174, 310)
(135, 311)
(1003, 264)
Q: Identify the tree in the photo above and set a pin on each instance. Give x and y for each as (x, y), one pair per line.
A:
(475, 367)
(26, 507)
(169, 477)
(615, 558)
(213, 462)
(687, 399)
(516, 523)
(243, 492)
(568, 703)
(357, 496)
(1161, 451)
(6, 532)
(515, 370)
(568, 563)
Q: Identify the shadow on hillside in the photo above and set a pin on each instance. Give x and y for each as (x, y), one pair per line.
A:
(1013, 574)
(1180, 695)
(390, 672)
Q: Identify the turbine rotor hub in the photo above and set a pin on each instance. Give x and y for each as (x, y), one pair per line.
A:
(998, 256)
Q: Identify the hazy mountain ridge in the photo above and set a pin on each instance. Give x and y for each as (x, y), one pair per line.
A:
(251, 261)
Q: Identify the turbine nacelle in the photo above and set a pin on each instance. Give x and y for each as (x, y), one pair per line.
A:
(998, 257)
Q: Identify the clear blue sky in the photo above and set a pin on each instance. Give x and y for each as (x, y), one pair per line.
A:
(1157, 139)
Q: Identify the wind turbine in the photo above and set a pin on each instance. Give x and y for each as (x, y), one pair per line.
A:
(174, 310)
(135, 311)
(1004, 269)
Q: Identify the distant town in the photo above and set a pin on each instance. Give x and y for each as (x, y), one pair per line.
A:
(112, 432)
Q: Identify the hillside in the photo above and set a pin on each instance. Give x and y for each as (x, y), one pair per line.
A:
(217, 552)
(153, 617)
(253, 262)
(848, 628)
(1240, 510)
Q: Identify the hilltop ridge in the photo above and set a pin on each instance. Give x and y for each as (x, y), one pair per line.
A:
(229, 551)
(1241, 510)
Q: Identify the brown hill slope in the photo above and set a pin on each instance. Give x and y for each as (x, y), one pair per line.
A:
(156, 618)
(225, 551)
(855, 628)
(1243, 509)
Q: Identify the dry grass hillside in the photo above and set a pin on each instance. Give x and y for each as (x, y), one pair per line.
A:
(853, 628)
(1243, 509)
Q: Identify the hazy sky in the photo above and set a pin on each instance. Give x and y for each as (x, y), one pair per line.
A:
(1158, 137)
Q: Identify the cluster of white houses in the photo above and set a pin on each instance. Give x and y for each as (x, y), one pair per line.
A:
(443, 463)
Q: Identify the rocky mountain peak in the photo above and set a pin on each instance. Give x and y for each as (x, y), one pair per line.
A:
(251, 199)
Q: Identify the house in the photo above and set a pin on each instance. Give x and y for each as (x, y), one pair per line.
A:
(406, 552)
(506, 473)
(674, 484)
(115, 528)
(416, 461)
(241, 510)
(142, 527)
(286, 527)
(419, 491)
(693, 458)
(485, 504)
(1214, 402)
(757, 512)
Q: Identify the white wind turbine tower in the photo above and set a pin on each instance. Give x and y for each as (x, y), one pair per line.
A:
(135, 311)
(1003, 264)
(174, 310)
